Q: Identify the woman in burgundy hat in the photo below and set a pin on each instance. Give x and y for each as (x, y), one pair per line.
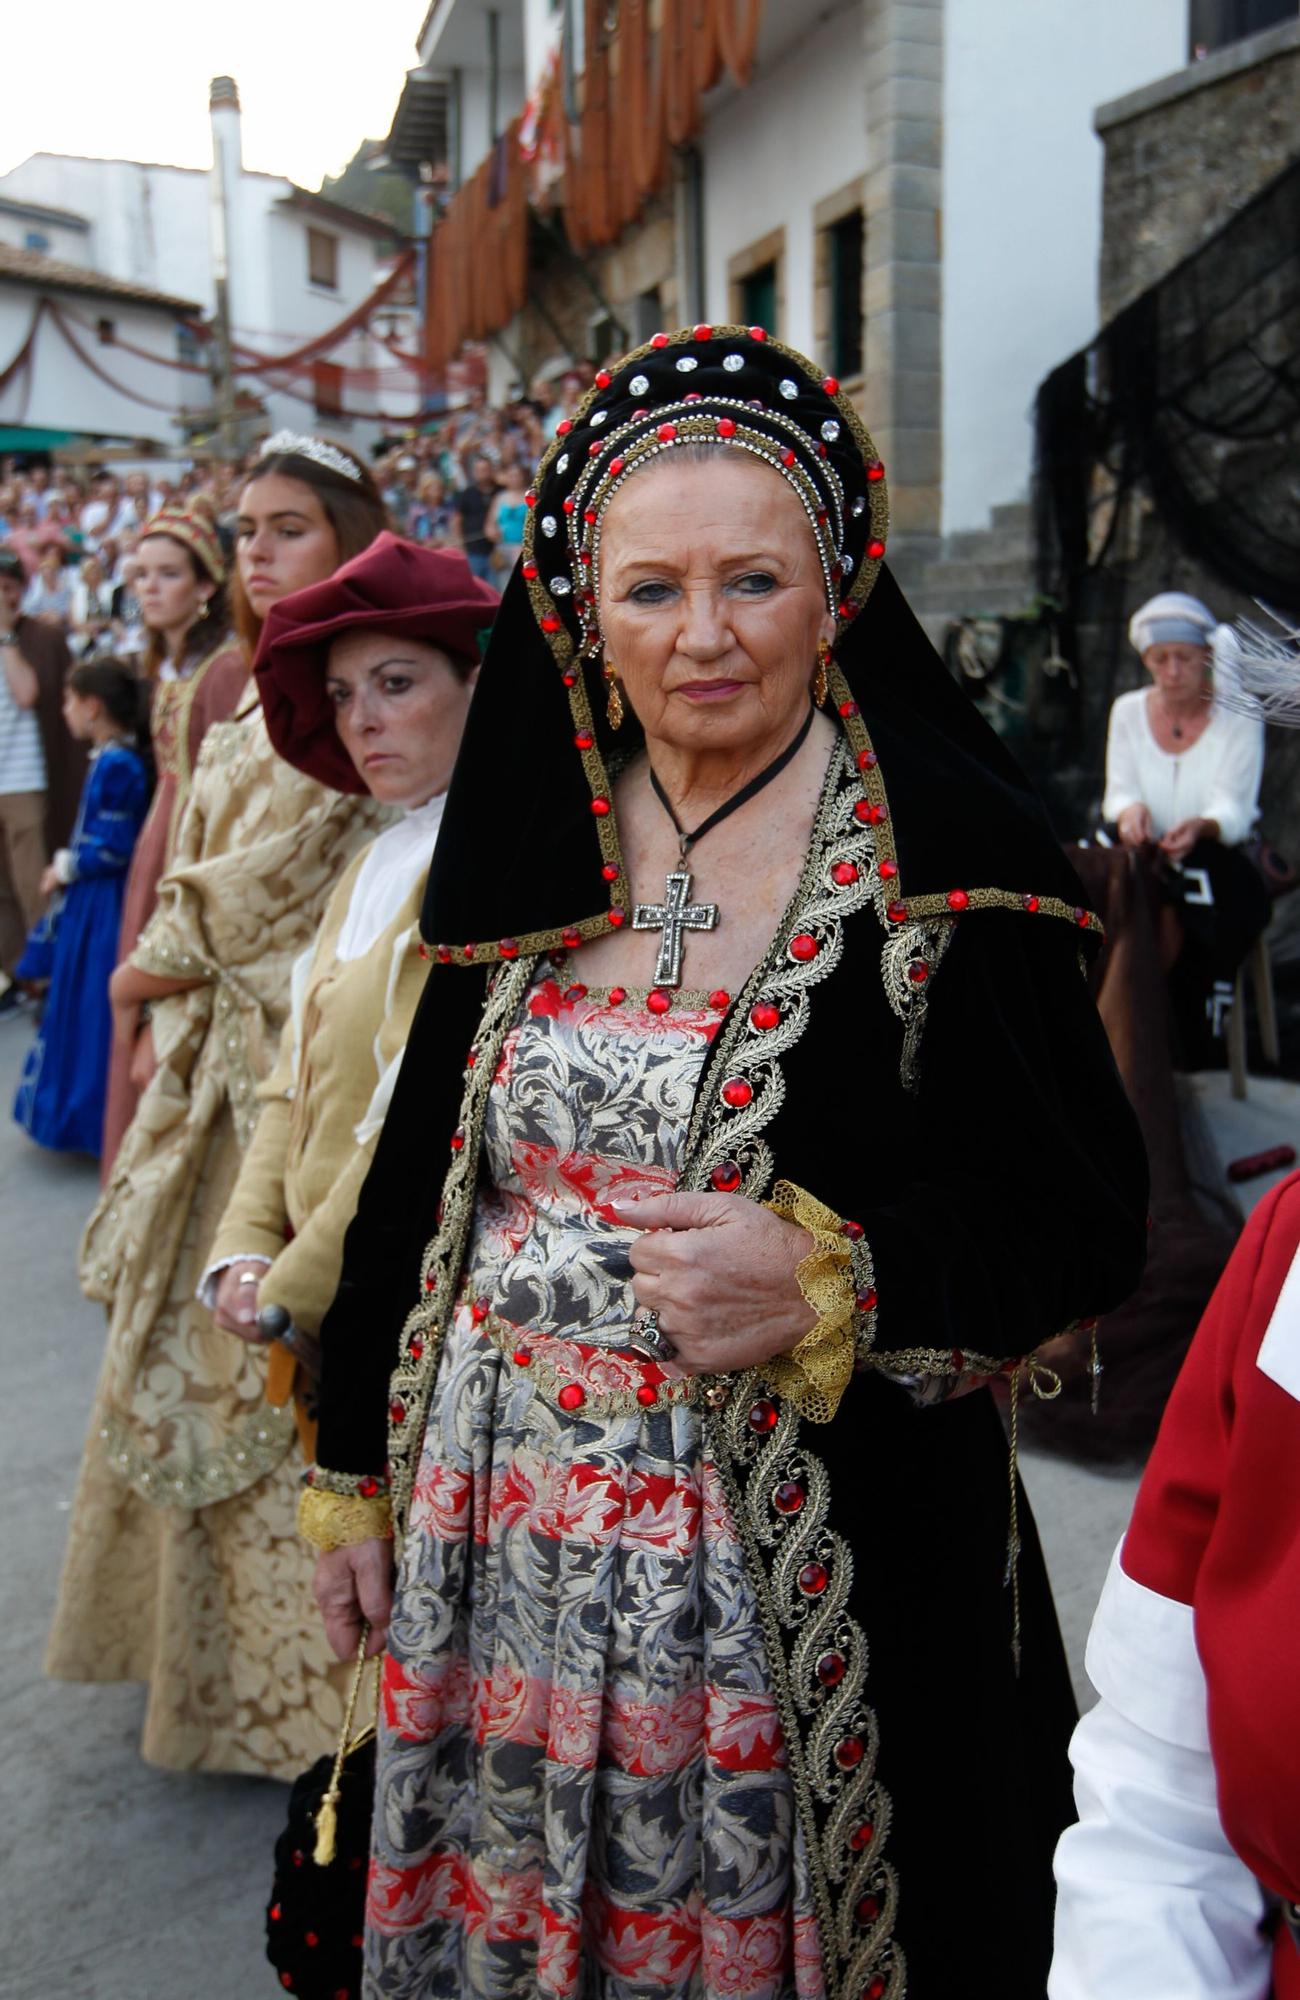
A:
(365, 682)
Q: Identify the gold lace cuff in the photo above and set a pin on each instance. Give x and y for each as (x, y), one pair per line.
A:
(337, 1520)
(814, 1374)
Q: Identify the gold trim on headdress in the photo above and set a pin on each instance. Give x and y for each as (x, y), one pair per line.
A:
(194, 526)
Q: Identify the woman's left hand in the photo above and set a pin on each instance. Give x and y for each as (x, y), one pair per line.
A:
(143, 1060)
(1180, 840)
(720, 1272)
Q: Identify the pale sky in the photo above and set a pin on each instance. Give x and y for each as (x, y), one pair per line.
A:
(119, 80)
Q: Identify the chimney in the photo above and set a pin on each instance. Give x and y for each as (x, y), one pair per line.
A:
(227, 168)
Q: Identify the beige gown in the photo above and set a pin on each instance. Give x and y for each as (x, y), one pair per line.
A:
(183, 1567)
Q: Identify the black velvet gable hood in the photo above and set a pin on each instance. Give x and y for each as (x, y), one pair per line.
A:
(528, 856)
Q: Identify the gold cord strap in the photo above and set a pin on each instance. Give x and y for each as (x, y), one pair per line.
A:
(327, 1813)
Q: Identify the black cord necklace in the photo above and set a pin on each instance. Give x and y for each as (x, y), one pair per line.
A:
(677, 914)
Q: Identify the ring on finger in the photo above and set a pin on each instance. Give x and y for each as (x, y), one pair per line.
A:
(646, 1335)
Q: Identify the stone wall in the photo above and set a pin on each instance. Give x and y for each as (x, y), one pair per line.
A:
(1183, 154)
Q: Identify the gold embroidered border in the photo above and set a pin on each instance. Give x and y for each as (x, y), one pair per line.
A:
(254, 1447)
(422, 1335)
(548, 1380)
(339, 1521)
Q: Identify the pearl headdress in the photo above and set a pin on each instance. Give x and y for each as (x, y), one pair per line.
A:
(293, 444)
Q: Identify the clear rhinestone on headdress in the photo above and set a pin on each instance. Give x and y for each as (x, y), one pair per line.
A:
(859, 507)
(846, 563)
(549, 524)
(560, 586)
(687, 365)
(733, 363)
(562, 462)
(789, 389)
(638, 385)
(830, 430)
(599, 416)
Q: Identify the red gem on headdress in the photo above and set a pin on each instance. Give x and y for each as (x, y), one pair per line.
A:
(646, 1395)
(617, 917)
(585, 557)
(958, 899)
(658, 1001)
(1081, 918)
(918, 973)
(589, 516)
(897, 913)
(595, 448)
(720, 999)
(867, 760)
(787, 456)
(875, 550)
(758, 333)
(530, 497)
(701, 333)
(765, 1016)
(737, 1092)
(583, 740)
(875, 469)
(572, 1396)
(564, 426)
(1029, 903)
(822, 517)
(551, 623)
(529, 569)
(509, 947)
(823, 451)
(615, 467)
(666, 433)
(692, 396)
(603, 378)
(570, 504)
(659, 340)
(726, 1177)
(610, 871)
(726, 427)
(847, 611)
(830, 385)
(803, 947)
(844, 874)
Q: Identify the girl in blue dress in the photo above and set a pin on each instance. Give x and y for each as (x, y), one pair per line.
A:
(60, 1099)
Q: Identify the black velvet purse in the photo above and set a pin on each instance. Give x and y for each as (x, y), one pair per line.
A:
(315, 1920)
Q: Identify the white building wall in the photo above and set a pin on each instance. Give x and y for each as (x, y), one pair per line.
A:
(1022, 213)
(62, 240)
(773, 151)
(57, 392)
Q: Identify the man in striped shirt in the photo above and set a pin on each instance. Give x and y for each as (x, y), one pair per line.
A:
(22, 776)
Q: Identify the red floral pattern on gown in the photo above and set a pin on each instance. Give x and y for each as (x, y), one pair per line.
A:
(582, 1786)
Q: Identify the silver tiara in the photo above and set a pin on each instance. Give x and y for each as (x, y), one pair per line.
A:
(286, 443)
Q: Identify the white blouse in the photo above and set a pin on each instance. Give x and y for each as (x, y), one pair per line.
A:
(1216, 778)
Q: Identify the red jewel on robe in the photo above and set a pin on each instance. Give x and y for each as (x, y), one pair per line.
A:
(600, 807)
(564, 426)
(875, 549)
(550, 624)
(522, 1358)
(610, 872)
(868, 1909)
(813, 1579)
(658, 1001)
(788, 1497)
(397, 1410)
(862, 1836)
(866, 1301)
(583, 740)
(572, 940)
(830, 1669)
(645, 1395)
(849, 1752)
(720, 999)
(617, 917)
(844, 874)
(416, 1347)
(1029, 903)
(457, 1141)
(764, 1015)
(617, 995)
(853, 1231)
(572, 1396)
(867, 760)
(958, 899)
(803, 947)
(762, 1415)
(726, 1177)
(479, 1311)
(897, 913)
(737, 1092)
(509, 947)
(368, 1486)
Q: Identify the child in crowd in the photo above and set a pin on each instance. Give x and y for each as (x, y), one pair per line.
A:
(60, 1099)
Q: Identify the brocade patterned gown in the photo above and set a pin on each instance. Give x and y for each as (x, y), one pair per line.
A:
(583, 1785)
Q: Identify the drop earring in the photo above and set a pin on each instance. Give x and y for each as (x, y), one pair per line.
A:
(821, 675)
(613, 695)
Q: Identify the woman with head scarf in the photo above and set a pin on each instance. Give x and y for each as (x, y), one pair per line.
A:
(365, 680)
(756, 1109)
(182, 1569)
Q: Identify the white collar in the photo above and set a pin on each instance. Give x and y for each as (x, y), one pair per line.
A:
(395, 861)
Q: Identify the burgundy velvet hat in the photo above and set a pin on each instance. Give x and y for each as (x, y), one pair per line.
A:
(392, 586)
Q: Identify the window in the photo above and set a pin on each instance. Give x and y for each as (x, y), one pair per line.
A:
(1213, 24)
(107, 331)
(323, 258)
(647, 316)
(758, 296)
(35, 239)
(189, 347)
(756, 282)
(327, 388)
(844, 244)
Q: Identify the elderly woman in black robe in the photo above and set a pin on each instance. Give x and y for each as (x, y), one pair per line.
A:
(756, 1116)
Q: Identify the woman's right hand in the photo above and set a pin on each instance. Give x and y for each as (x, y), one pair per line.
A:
(234, 1307)
(354, 1585)
(143, 1060)
(1134, 824)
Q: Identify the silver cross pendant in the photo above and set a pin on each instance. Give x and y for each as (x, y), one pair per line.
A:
(672, 918)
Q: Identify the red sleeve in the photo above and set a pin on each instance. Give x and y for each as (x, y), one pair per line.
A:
(1179, 1499)
(217, 696)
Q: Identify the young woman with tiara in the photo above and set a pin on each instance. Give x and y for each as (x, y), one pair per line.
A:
(196, 673)
(183, 1569)
(60, 1100)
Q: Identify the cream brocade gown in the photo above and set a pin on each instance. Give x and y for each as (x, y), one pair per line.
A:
(184, 1568)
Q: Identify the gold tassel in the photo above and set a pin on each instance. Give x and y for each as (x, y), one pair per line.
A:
(327, 1816)
(821, 675)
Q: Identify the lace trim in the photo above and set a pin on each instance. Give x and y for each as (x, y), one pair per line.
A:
(337, 1521)
(254, 1448)
(815, 1373)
